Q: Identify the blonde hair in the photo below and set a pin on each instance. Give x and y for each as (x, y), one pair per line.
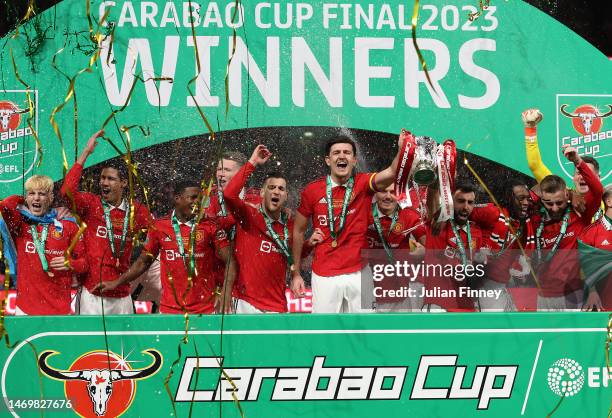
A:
(38, 182)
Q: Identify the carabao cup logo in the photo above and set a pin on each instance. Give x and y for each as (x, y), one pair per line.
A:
(10, 116)
(565, 377)
(586, 119)
(100, 383)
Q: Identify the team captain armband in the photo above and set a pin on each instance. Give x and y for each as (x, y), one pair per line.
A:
(372, 182)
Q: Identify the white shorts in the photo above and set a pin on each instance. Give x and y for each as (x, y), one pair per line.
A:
(89, 304)
(492, 304)
(151, 283)
(243, 307)
(342, 293)
(569, 302)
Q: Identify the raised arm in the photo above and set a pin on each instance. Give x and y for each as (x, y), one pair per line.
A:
(592, 198)
(531, 118)
(384, 178)
(79, 202)
(232, 191)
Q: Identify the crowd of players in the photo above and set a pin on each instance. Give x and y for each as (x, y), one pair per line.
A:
(235, 249)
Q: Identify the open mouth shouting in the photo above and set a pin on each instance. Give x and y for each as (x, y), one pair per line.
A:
(105, 191)
(342, 164)
(36, 207)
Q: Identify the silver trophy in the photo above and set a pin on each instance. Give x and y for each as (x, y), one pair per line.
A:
(425, 167)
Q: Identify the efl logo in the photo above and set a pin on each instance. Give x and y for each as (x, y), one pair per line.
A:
(265, 247)
(94, 388)
(581, 123)
(565, 377)
(101, 232)
(17, 149)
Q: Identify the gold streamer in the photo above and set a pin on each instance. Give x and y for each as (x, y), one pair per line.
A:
(71, 92)
(191, 81)
(231, 57)
(39, 148)
(481, 7)
(496, 203)
(414, 21)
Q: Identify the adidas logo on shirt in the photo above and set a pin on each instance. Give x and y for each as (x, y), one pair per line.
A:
(605, 242)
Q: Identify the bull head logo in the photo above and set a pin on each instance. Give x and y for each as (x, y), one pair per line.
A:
(5, 117)
(586, 117)
(99, 381)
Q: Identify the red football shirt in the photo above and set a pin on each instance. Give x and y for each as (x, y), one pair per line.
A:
(442, 250)
(498, 235)
(262, 266)
(561, 275)
(227, 221)
(102, 265)
(408, 222)
(599, 235)
(161, 240)
(346, 257)
(37, 292)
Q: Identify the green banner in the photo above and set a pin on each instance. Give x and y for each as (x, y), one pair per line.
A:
(484, 365)
(308, 63)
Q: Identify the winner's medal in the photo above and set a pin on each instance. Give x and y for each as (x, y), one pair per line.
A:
(188, 259)
(39, 244)
(379, 229)
(110, 235)
(283, 244)
(462, 252)
(330, 208)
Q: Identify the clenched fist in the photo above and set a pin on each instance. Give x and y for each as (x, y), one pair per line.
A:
(531, 117)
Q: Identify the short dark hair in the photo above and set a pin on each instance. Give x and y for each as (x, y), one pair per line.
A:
(235, 156)
(180, 186)
(116, 165)
(466, 187)
(340, 139)
(274, 175)
(607, 192)
(590, 160)
(508, 196)
(552, 184)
